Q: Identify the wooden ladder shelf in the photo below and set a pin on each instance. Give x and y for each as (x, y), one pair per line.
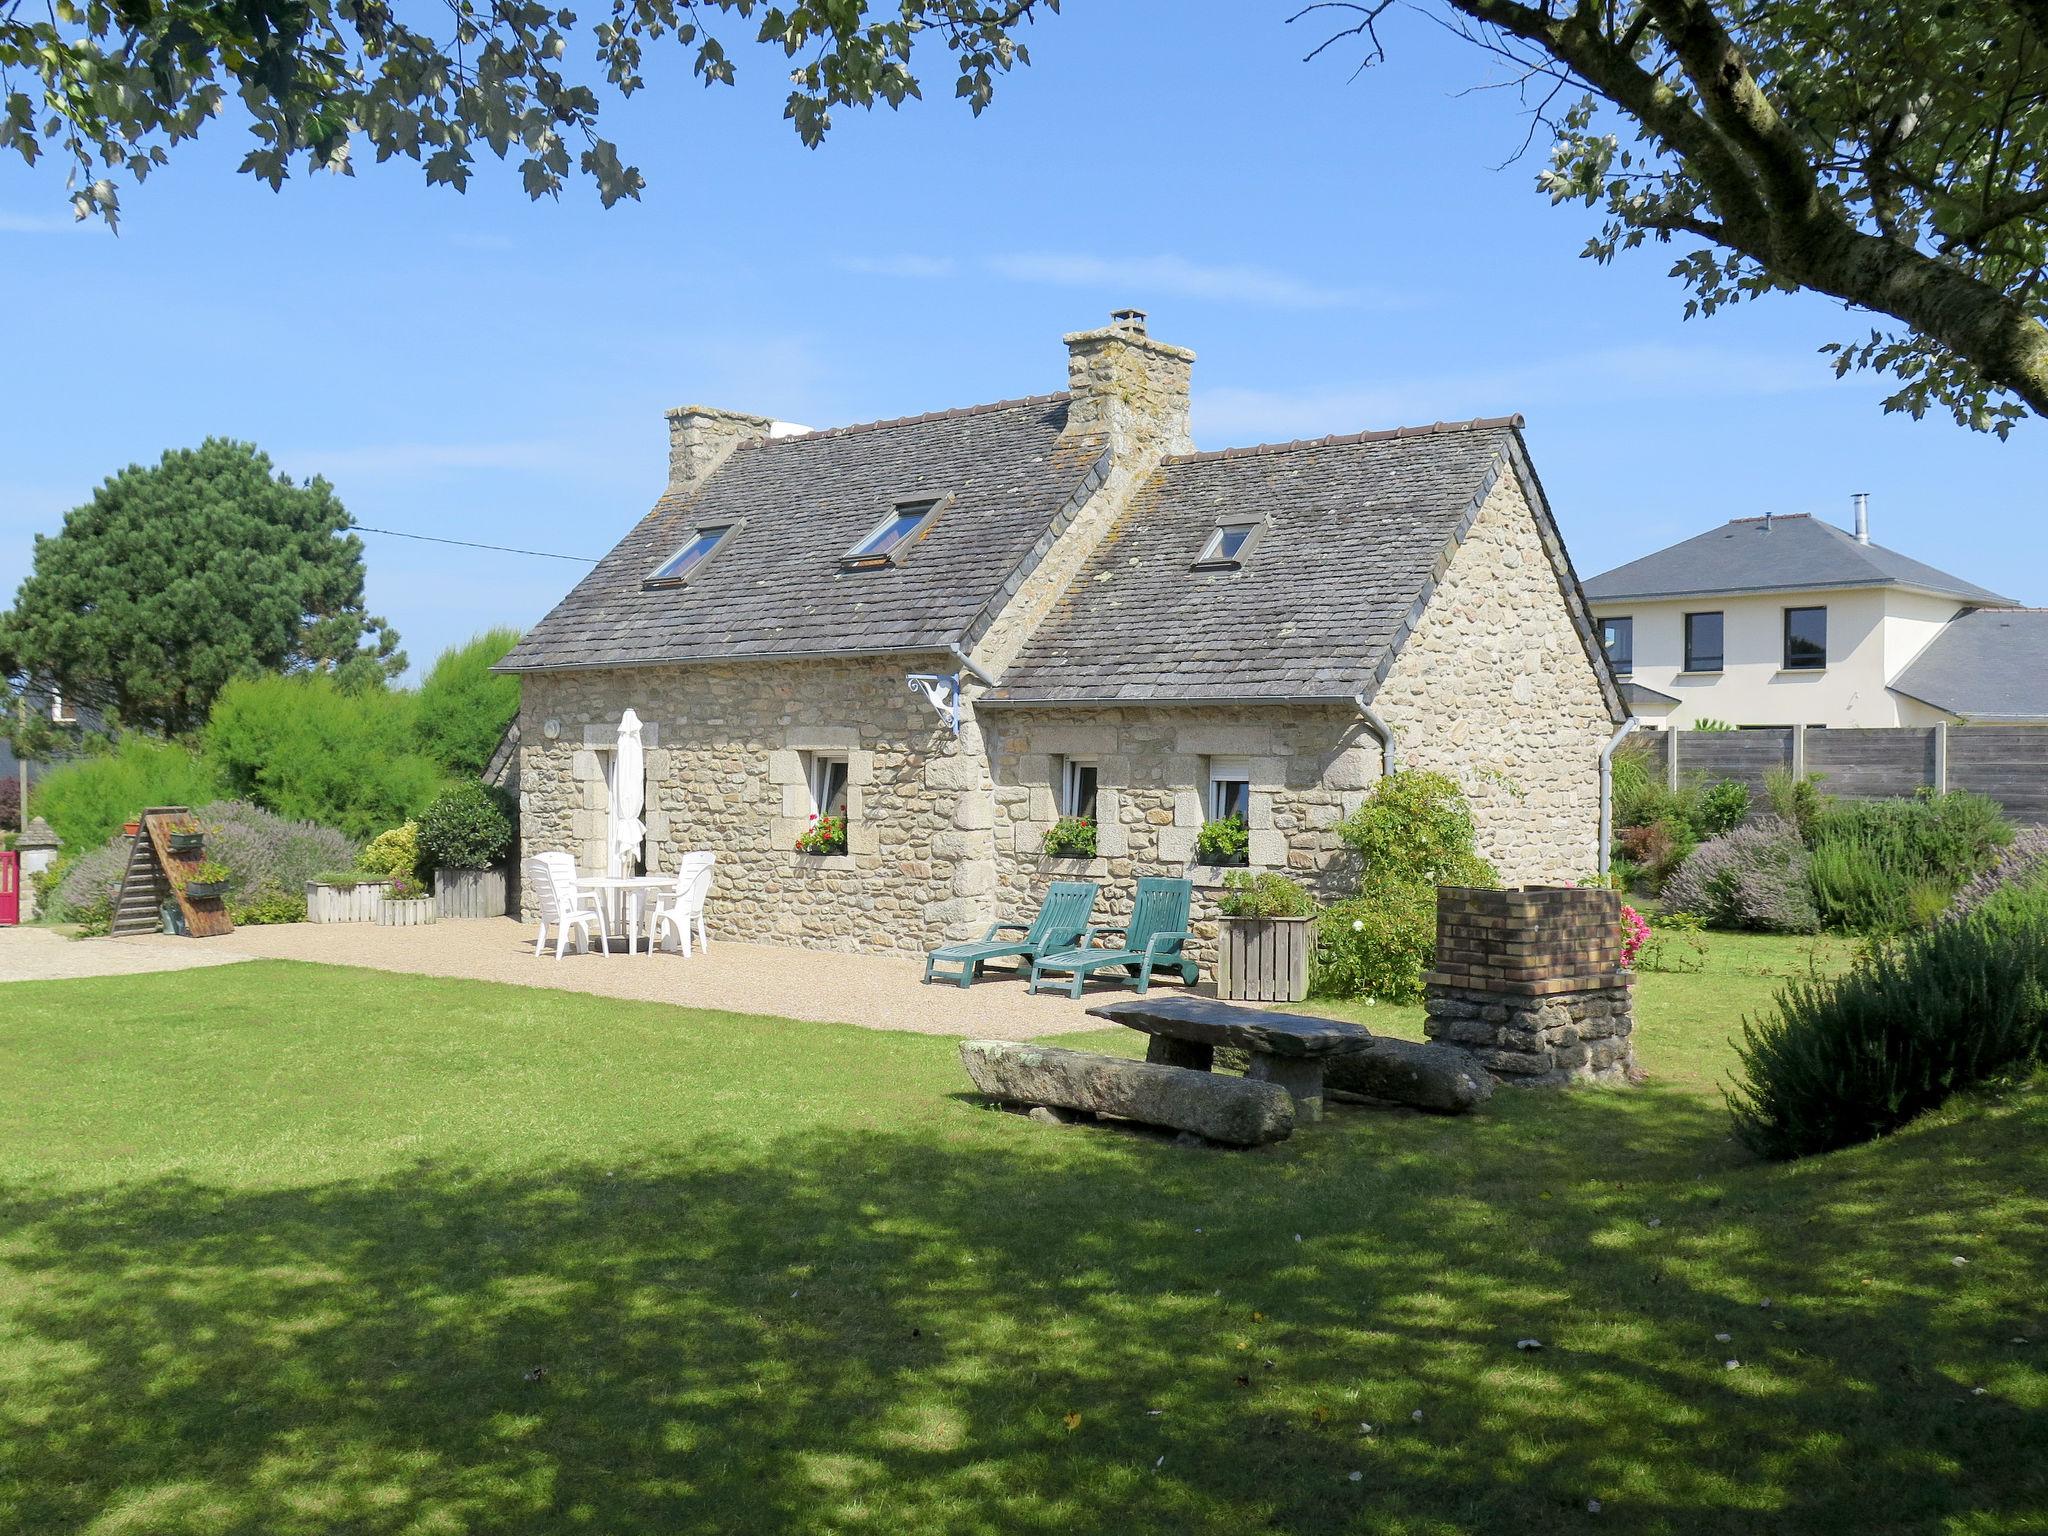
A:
(154, 873)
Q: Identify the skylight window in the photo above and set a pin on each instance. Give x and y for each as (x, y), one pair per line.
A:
(1230, 545)
(684, 563)
(890, 539)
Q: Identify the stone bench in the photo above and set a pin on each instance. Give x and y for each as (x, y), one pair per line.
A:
(1235, 1111)
(1290, 1049)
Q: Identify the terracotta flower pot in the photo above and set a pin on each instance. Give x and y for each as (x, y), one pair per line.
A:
(131, 827)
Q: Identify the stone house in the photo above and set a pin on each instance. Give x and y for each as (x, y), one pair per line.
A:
(955, 628)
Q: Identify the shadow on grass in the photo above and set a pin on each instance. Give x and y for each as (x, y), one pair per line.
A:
(893, 1332)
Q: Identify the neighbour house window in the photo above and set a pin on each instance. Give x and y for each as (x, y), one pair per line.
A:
(1230, 788)
(1806, 639)
(1230, 545)
(826, 775)
(1703, 642)
(60, 712)
(1077, 788)
(889, 540)
(1618, 636)
(680, 566)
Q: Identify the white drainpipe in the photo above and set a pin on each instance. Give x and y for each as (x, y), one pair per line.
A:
(1379, 728)
(1607, 790)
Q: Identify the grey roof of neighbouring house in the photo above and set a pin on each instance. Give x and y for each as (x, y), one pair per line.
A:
(1774, 554)
(775, 588)
(1360, 529)
(1990, 665)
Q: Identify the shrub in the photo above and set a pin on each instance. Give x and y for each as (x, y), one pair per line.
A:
(1658, 848)
(1264, 895)
(10, 802)
(1376, 946)
(269, 907)
(266, 856)
(1227, 841)
(464, 707)
(1795, 798)
(465, 828)
(1754, 877)
(394, 854)
(87, 800)
(2024, 860)
(1634, 934)
(308, 748)
(1890, 866)
(84, 892)
(1416, 826)
(1631, 779)
(1071, 837)
(1842, 1061)
(1723, 806)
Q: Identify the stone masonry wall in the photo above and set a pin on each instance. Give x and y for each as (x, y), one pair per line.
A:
(1309, 767)
(725, 772)
(1495, 689)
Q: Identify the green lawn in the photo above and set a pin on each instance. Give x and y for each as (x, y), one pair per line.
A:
(294, 1249)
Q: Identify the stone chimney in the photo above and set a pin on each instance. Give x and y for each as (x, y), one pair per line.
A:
(1123, 382)
(699, 439)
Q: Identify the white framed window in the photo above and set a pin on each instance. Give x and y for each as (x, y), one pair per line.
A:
(889, 540)
(1077, 782)
(1230, 545)
(1230, 788)
(60, 712)
(825, 773)
(684, 563)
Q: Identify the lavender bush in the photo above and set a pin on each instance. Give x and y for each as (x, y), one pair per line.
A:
(85, 892)
(1753, 877)
(268, 855)
(2023, 860)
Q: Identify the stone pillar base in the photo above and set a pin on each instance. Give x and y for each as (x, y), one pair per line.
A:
(1563, 1037)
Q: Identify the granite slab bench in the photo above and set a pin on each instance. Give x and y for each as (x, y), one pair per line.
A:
(1285, 1048)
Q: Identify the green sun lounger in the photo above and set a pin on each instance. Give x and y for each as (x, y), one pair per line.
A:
(1152, 939)
(1060, 924)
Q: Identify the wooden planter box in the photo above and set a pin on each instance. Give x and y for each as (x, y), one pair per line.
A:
(413, 912)
(1263, 959)
(345, 904)
(463, 893)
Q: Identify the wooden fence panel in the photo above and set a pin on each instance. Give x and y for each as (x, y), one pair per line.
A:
(1872, 764)
(1745, 756)
(2007, 762)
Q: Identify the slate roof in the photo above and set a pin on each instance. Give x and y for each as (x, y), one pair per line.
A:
(1357, 527)
(775, 587)
(1991, 664)
(1777, 554)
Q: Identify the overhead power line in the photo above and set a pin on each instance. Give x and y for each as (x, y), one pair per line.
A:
(503, 549)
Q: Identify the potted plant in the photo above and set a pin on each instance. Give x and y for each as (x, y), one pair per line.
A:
(1226, 841)
(187, 842)
(1071, 837)
(824, 838)
(1265, 934)
(463, 835)
(407, 905)
(132, 828)
(208, 882)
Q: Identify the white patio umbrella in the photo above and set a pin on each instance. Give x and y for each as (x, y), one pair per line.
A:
(629, 797)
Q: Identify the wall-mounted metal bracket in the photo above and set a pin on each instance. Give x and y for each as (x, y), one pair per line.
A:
(941, 691)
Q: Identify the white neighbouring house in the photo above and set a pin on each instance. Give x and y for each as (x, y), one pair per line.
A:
(1773, 621)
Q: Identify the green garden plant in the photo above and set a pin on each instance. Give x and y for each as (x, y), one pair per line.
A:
(464, 707)
(1224, 841)
(1892, 866)
(1266, 894)
(86, 800)
(1755, 877)
(1843, 1060)
(394, 854)
(467, 827)
(1071, 837)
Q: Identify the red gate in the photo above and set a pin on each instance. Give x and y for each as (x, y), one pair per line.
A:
(10, 889)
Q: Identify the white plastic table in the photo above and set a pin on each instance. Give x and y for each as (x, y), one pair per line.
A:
(628, 894)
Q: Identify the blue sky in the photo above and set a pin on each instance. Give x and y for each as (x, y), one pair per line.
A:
(1341, 253)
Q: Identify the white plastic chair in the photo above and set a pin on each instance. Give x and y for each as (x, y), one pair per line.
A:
(683, 909)
(563, 905)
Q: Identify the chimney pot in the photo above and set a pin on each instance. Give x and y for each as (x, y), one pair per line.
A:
(1128, 320)
(1862, 501)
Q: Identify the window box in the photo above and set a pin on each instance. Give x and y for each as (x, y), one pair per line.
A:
(187, 842)
(206, 890)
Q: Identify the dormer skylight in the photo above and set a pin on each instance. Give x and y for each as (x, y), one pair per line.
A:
(685, 562)
(890, 540)
(1230, 544)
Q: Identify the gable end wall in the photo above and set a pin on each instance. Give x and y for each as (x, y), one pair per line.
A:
(1495, 689)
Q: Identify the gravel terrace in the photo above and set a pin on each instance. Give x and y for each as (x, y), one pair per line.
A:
(873, 991)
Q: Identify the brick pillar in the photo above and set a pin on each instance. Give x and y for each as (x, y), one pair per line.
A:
(1530, 983)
